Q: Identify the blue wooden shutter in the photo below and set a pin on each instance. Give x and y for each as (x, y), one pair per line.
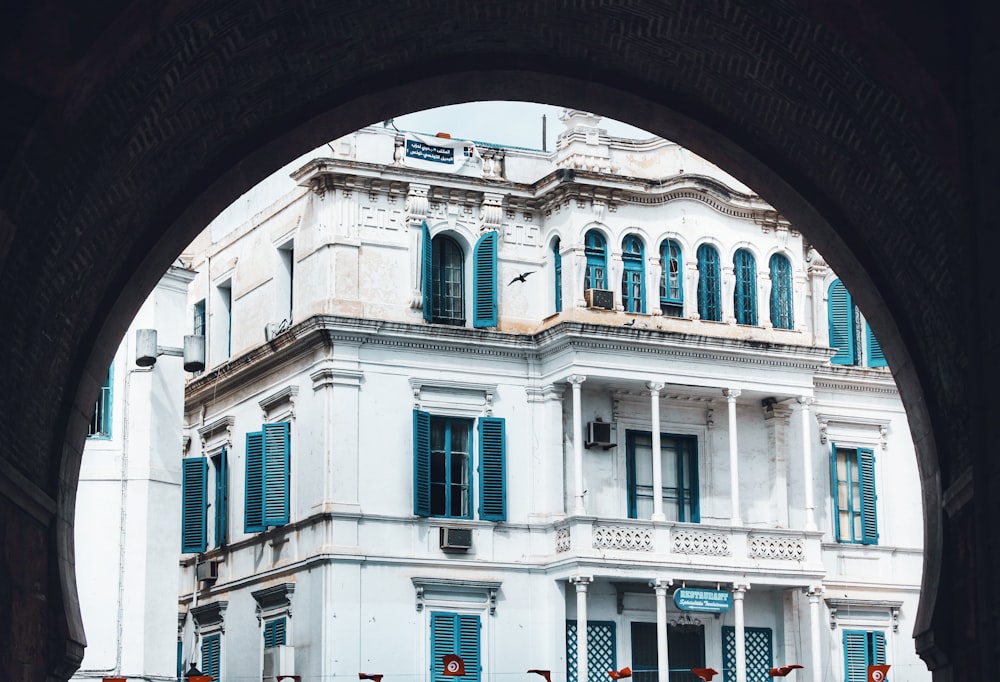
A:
(875, 356)
(745, 293)
(877, 653)
(444, 641)
(253, 517)
(211, 653)
(276, 465)
(484, 281)
(855, 656)
(833, 491)
(194, 479)
(866, 476)
(557, 267)
(421, 463)
(427, 272)
(492, 469)
(781, 292)
(274, 633)
(841, 309)
(468, 646)
(709, 291)
(222, 500)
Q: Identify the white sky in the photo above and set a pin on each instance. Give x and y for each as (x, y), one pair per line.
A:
(514, 124)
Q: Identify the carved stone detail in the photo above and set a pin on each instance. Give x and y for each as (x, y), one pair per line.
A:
(772, 547)
(700, 542)
(563, 541)
(623, 537)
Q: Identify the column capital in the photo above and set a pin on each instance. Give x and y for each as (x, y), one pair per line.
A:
(654, 387)
(731, 393)
(581, 582)
(661, 585)
(805, 401)
(814, 592)
(739, 590)
(576, 379)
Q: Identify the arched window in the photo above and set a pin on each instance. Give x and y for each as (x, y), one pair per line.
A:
(633, 281)
(843, 324)
(557, 268)
(745, 293)
(597, 261)
(781, 292)
(447, 282)
(709, 284)
(671, 286)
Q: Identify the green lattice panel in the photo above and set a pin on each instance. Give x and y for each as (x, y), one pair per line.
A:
(601, 651)
(758, 653)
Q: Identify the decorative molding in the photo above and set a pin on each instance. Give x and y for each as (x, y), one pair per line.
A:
(775, 547)
(700, 542)
(890, 608)
(274, 600)
(220, 429)
(843, 425)
(285, 397)
(623, 537)
(545, 393)
(210, 617)
(563, 540)
(326, 377)
(456, 397)
(487, 589)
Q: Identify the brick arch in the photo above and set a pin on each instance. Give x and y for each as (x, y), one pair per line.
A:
(161, 121)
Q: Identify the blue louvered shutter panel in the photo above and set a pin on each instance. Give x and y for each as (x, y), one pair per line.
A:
(211, 650)
(745, 293)
(444, 641)
(253, 516)
(427, 272)
(276, 465)
(866, 476)
(709, 290)
(781, 292)
(194, 479)
(274, 633)
(468, 646)
(833, 491)
(484, 281)
(855, 656)
(557, 267)
(875, 356)
(878, 648)
(492, 469)
(222, 500)
(841, 309)
(421, 463)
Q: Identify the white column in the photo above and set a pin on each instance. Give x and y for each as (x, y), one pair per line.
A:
(660, 586)
(734, 468)
(807, 471)
(739, 591)
(654, 397)
(815, 592)
(576, 381)
(581, 583)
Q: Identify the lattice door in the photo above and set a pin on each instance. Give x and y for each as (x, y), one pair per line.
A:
(601, 650)
(758, 653)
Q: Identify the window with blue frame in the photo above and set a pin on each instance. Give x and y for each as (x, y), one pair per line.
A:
(745, 292)
(221, 467)
(671, 282)
(442, 466)
(633, 279)
(447, 281)
(443, 280)
(459, 634)
(853, 479)
(678, 469)
(557, 269)
(274, 632)
(211, 655)
(267, 477)
(843, 324)
(709, 284)
(596, 251)
(194, 504)
(862, 648)
(100, 423)
(781, 292)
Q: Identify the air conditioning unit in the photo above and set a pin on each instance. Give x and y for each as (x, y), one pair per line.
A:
(600, 298)
(207, 571)
(600, 435)
(279, 661)
(456, 539)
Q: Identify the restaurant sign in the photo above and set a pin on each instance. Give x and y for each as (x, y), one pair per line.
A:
(706, 601)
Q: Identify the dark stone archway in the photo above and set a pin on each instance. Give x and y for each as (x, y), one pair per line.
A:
(131, 126)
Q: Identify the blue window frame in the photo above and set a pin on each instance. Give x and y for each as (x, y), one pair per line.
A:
(100, 423)
(194, 509)
(211, 655)
(455, 633)
(267, 477)
(758, 651)
(679, 470)
(484, 282)
(709, 284)
(781, 292)
(745, 292)
(221, 466)
(443, 280)
(853, 479)
(596, 250)
(633, 279)
(671, 281)
(198, 323)
(602, 649)
(442, 467)
(862, 648)
(557, 269)
(843, 324)
(274, 632)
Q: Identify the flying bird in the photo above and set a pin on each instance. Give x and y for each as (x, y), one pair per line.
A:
(705, 673)
(370, 676)
(620, 674)
(520, 278)
(782, 671)
(544, 673)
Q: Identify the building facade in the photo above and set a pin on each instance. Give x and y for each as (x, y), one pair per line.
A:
(438, 372)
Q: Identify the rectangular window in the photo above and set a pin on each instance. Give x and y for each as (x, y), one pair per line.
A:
(100, 424)
(222, 321)
(679, 469)
(284, 280)
(221, 468)
(758, 650)
(267, 477)
(853, 478)
(601, 649)
(194, 476)
(455, 633)
(274, 633)
(198, 323)
(211, 655)
(442, 467)
(862, 649)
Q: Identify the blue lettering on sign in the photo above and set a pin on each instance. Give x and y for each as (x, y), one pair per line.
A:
(706, 601)
(416, 149)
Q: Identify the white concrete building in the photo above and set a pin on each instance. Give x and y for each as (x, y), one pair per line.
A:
(130, 482)
(437, 374)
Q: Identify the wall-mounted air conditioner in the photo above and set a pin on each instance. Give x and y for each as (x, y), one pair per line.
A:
(456, 539)
(600, 435)
(207, 571)
(600, 298)
(279, 661)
